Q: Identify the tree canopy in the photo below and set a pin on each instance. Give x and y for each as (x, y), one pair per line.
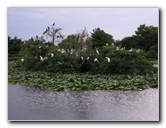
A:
(100, 38)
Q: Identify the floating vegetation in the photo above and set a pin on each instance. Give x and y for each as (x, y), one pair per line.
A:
(60, 82)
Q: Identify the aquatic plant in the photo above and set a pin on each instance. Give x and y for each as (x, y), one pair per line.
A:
(60, 82)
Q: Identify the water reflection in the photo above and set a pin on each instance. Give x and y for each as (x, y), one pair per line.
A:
(27, 103)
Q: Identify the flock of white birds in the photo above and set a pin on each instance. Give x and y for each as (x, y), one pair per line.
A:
(95, 60)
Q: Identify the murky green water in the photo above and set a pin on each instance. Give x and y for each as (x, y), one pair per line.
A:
(27, 103)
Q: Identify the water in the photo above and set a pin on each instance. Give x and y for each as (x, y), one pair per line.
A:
(27, 103)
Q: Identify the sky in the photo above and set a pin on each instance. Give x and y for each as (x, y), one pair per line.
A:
(118, 22)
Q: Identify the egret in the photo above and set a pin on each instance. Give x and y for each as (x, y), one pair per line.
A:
(39, 46)
(52, 55)
(62, 51)
(41, 58)
(122, 49)
(22, 60)
(87, 58)
(138, 50)
(97, 51)
(96, 60)
(131, 50)
(108, 59)
(59, 63)
(82, 58)
(106, 44)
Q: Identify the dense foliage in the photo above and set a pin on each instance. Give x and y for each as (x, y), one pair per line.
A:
(45, 57)
(100, 38)
(14, 47)
(145, 38)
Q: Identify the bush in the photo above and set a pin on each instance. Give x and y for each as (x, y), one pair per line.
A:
(121, 62)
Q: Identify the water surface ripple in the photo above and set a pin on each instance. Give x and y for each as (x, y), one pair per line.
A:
(27, 103)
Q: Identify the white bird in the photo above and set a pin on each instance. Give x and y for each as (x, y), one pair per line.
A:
(41, 58)
(96, 60)
(122, 49)
(39, 46)
(138, 50)
(108, 59)
(97, 51)
(22, 60)
(82, 57)
(117, 48)
(59, 63)
(106, 44)
(52, 55)
(87, 58)
(62, 51)
(130, 50)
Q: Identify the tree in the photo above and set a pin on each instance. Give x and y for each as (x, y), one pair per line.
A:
(14, 45)
(100, 38)
(54, 33)
(129, 42)
(147, 36)
(69, 43)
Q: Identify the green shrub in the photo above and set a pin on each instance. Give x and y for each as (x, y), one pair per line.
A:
(121, 62)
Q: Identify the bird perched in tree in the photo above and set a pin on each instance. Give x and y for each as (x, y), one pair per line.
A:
(52, 55)
(87, 58)
(108, 59)
(138, 50)
(22, 60)
(96, 60)
(97, 51)
(131, 50)
(41, 58)
(82, 58)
